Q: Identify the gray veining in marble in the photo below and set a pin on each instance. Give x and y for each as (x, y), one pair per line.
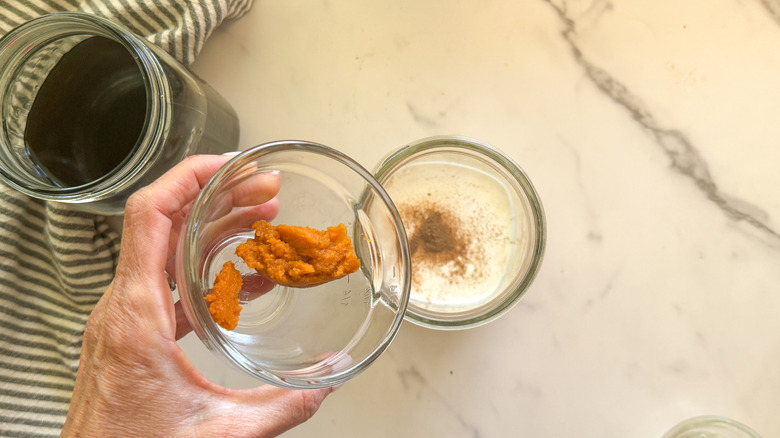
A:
(650, 131)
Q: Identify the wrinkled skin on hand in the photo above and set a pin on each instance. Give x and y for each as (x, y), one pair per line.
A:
(133, 379)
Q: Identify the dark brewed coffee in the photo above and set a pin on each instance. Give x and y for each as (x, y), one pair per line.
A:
(88, 113)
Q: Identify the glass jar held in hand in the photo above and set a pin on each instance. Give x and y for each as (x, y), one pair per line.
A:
(133, 379)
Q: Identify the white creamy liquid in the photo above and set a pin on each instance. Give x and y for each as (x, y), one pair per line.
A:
(483, 209)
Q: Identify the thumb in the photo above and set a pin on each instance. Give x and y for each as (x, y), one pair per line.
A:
(286, 408)
(266, 411)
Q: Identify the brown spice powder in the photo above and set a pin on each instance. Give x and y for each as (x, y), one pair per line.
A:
(440, 242)
(435, 233)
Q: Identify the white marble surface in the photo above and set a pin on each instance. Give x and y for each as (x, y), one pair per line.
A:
(650, 130)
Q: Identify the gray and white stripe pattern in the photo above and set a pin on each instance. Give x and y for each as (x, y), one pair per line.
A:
(180, 27)
(55, 262)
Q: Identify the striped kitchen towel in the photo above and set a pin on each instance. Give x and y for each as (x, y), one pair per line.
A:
(55, 262)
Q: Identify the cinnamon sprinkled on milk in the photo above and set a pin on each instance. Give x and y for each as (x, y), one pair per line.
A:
(457, 219)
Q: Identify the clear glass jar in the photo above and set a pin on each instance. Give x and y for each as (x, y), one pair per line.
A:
(710, 426)
(476, 226)
(298, 338)
(69, 64)
(322, 336)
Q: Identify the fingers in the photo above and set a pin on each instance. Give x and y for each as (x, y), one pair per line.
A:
(270, 411)
(246, 189)
(255, 285)
(239, 218)
(150, 212)
(257, 189)
(140, 286)
(248, 198)
(155, 216)
(182, 184)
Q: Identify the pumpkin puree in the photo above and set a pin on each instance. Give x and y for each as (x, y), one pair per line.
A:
(299, 256)
(223, 299)
(288, 255)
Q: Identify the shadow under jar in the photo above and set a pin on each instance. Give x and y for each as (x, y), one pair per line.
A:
(92, 112)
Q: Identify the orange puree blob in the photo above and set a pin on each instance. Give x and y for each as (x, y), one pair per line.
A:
(223, 299)
(299, 256)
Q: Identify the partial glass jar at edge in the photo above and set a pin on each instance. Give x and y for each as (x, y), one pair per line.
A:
(182, 116)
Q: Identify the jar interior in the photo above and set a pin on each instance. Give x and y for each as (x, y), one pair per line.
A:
(302, 337)
(469, 232)
(74, 112)
(475, 226)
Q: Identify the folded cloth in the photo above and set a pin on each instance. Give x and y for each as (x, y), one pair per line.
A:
(55, 261)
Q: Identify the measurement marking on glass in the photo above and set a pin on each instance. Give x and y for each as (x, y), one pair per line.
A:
(346, 297)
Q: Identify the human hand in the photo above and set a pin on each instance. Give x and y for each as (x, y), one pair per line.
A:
(133, 379)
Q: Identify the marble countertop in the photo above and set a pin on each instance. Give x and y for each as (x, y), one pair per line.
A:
(650, 132)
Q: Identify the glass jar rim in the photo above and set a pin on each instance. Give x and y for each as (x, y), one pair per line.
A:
(702, 422)
(201, 319)
(397, 159)
(60, 25)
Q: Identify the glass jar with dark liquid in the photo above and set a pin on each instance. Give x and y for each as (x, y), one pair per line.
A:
(91, 112)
